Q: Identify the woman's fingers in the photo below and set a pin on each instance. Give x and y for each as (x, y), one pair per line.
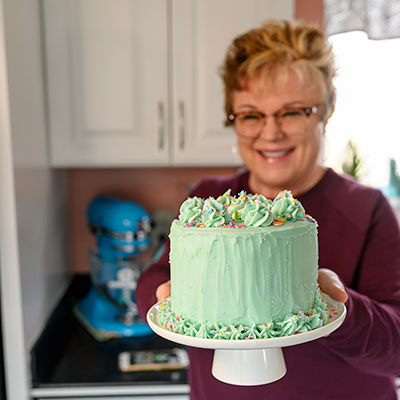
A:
(330, 283)
(163, 291)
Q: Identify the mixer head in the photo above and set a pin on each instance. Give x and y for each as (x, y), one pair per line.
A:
(121, 227)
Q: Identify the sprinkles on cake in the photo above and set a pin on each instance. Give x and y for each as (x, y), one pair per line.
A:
(242, 210)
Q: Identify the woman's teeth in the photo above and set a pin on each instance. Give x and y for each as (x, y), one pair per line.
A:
(275, 153)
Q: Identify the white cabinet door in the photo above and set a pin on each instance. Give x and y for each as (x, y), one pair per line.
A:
(119, 71)
(107, 82)
(201, 33)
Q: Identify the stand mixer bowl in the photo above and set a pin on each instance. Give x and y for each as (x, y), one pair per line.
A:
(116, 283)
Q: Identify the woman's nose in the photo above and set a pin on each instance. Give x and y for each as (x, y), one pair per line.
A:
(271, 130)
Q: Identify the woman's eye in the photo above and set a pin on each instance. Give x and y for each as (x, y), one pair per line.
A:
(251, 117)
(290, 113)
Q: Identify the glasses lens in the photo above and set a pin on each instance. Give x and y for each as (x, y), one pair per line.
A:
(291, 120)
(248, 123)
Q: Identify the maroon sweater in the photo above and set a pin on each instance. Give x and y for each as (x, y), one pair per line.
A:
(359, 239)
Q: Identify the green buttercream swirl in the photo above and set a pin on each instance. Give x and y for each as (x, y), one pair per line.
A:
(240, 211)
(235, 209)
(285, 207)
(215, 214)
(261, 198)
(281, 208)
(298, 213)
(226, 198)
(255, 214)
(290, 324)
(191, 210)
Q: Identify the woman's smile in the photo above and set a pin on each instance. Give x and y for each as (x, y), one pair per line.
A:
(275, 156)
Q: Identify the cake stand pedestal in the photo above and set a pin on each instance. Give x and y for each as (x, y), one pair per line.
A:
(249, 367)
(254, 361)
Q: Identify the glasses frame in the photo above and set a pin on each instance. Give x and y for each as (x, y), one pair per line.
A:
(307, 111)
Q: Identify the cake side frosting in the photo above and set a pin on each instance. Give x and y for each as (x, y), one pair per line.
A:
(244, 275)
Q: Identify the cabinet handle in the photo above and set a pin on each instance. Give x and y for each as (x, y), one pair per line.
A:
(161, 125)
(181, 125)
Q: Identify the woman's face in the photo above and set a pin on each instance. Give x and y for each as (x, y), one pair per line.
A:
(276, 159)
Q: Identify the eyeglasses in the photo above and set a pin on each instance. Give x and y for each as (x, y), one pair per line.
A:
(292, 120)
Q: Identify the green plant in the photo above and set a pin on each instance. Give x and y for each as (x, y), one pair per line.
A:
(352, 165)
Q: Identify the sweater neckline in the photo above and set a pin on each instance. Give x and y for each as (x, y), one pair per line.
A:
(321, 184)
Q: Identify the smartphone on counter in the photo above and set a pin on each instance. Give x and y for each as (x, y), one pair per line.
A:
(153, 360)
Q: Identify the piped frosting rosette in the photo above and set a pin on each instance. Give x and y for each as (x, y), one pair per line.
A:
(240, 211)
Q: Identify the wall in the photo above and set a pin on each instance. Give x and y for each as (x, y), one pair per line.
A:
(310, 11)
(32, 240)
(39, 191)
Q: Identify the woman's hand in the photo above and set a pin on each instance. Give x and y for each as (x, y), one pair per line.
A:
(330, 283)
(163, 291)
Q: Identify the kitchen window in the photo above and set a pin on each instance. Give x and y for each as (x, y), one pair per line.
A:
(367, 110)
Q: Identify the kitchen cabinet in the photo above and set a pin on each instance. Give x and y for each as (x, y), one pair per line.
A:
(134, 83)
(107, 82)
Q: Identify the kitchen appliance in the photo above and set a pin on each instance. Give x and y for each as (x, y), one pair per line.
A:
(122, 252)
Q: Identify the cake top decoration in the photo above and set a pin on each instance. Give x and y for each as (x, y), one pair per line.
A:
(242, 210)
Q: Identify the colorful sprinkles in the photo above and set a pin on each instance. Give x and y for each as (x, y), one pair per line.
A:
(242, 211)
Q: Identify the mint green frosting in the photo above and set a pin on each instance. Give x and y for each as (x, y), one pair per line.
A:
(191, 210)
(215, 214)
(249, 281)
(298, 212)
(285, 207)
(226, 198)
(243, 275)
(255, 214)
(290, 324)
(281, 207)
(240, 211)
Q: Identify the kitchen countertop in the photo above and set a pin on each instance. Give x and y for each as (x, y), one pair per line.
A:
(66, 355)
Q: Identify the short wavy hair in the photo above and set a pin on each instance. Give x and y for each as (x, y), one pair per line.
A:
(275, 44)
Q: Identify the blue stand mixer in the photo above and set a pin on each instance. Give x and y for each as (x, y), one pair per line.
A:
(123, 251)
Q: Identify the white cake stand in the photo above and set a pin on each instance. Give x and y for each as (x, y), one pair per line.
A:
(254, 361)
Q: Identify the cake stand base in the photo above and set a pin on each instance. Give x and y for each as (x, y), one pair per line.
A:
(249, 367)
(255, 361)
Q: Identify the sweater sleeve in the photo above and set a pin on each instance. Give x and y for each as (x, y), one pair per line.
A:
(369, 338)
(149, 280)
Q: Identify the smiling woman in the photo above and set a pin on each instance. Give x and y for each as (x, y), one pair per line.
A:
(287, 74)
